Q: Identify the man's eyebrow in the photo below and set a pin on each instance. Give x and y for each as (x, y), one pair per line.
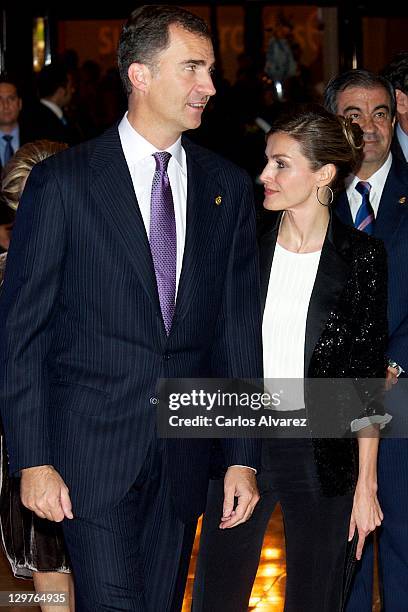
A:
(387, 108)
(350, 108)
(357, 108)
(193, 61)
(196, 62)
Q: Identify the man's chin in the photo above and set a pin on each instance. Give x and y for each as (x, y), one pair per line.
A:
(193, 125)
(372, 157)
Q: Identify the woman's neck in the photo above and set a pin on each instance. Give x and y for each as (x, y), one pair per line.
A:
(303, 232)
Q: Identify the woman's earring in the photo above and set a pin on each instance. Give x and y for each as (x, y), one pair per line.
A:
(331, 196)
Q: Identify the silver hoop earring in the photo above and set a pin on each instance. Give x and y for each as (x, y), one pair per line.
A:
(331, 196)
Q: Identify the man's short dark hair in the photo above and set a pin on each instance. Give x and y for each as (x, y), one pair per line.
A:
(397, 71)
(11, 80)
(146, 33)
(51, 78)
(356, 78)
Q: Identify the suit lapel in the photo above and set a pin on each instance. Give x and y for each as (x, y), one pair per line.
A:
(331, 277)
(114, 193)
(393, 205)
(342, 209)
(202, 216)
(267, 244)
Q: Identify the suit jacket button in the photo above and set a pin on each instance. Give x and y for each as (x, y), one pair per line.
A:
(166, 356)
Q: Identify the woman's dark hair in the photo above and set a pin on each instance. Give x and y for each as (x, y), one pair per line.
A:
(324, 138)
(146, 33)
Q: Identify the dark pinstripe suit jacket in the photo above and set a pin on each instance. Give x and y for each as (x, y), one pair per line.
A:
(82, 339)
(392, 227)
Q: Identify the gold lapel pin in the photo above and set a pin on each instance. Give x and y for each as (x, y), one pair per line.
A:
(402, 200)
(218, 200)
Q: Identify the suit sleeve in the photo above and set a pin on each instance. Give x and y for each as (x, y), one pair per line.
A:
(237, 351)
(371, 333)
(29, 298)
(397, 349)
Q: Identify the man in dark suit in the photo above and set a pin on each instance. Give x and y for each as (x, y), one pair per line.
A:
(397, 73)
(12, 133)
(133, 259)
(45, 117)
(380, 190)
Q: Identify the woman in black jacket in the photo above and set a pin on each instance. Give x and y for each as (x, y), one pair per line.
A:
(323, 288)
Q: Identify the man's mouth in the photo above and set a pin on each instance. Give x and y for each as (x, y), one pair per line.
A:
(196, 104)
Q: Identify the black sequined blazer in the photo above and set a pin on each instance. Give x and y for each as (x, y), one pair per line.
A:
(346, 330)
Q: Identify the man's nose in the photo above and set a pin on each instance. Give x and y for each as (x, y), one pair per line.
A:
(367, 124)
(206, 85)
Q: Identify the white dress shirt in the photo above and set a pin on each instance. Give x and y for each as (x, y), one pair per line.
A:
(139, 157)
(403, 140)
(284, 323)
(377, 182)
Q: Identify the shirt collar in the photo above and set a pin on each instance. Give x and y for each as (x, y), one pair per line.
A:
(136, 148)
(402, 139)
(376, 180)
(52, 106)
(15, 133)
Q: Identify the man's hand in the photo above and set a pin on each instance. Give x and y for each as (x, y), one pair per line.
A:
(239, 482)
(44, 492)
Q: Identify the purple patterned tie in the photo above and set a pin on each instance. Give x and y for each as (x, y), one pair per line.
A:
(365, 215)
(162, 237)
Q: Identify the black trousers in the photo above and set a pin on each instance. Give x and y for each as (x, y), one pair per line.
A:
(134, 557)
(316, 532)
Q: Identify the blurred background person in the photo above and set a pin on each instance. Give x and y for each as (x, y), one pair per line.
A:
(33, 546)
(397, 73)
(46, 117)
(12, 133)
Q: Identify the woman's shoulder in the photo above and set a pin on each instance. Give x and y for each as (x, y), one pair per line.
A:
(368, 244)
(361, 242)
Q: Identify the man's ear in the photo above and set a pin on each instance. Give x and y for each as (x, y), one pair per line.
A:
(402, 101)
(139, 76)
(326, 174)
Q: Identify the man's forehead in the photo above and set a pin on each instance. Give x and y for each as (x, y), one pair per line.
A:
(8, 88)
(359, 95)
(193, 43)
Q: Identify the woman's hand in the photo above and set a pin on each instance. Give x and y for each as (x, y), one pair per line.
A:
(366, 514)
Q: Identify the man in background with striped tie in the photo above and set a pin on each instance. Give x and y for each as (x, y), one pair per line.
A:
(375, 201)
